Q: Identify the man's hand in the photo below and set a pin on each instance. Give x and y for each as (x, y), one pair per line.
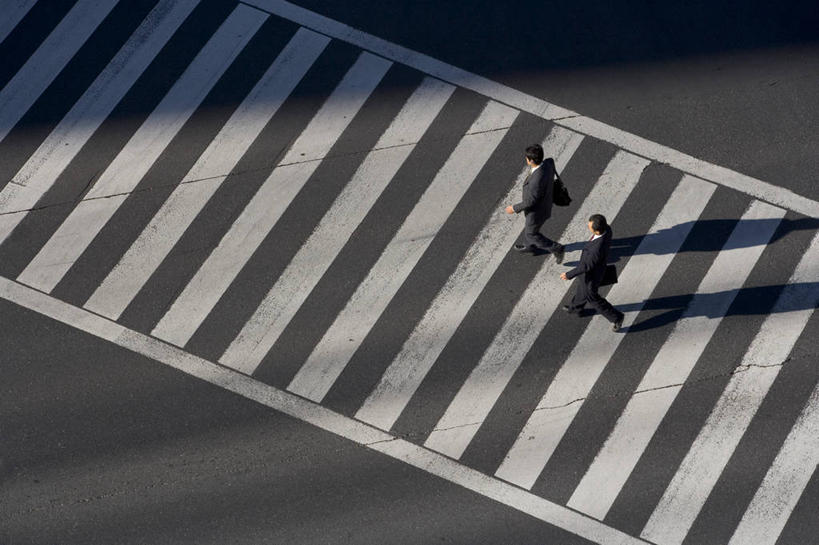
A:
(510, 209)
(563, 276)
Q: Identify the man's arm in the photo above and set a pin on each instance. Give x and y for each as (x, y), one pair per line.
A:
(587, 261)
(581, 268)
(532, 192)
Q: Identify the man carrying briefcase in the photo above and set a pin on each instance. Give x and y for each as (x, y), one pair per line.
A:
(592, 266)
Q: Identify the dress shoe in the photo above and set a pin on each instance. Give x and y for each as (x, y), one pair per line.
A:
(570, 309)
(617, 325)
(558, 253)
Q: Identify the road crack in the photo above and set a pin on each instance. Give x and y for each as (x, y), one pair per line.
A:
(266, 167)
(739, 369)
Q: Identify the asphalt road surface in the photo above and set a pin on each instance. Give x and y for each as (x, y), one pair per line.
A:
(322, 336)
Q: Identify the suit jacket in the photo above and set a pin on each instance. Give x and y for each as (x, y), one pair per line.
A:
(593, 260)
(538, 193)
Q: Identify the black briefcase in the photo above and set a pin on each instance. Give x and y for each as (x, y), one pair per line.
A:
(610, 276)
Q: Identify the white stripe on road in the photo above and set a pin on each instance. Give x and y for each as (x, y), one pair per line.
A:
(372, 296)
(224, 152)
(313, 259)
(541, 108)
(271, 200)
(477, 396)
(316, 415)
(13, 11)
(689, 489)
(43, 168)
(404, 375)
(400, 54)
(141, 151)
(783, 485)
(713, 173)
(674, 362)
(576, 377)
(49, 59)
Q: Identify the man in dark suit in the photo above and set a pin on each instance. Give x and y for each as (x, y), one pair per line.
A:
(536, 205)
(592, 266)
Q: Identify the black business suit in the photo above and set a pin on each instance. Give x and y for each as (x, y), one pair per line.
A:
(538, 194)
(592, 266)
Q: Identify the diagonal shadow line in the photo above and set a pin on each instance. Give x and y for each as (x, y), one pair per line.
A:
(757, 300)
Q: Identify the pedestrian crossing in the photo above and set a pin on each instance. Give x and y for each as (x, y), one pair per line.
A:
(52, 157)
(577, 376)
(456, 428)
(222, 155)
(326, 241)
(15, 11)
(44, 65)
(394, 268)
(259, 217)
(732, 414)
(399, 258)
(402, 378)
(671, 367)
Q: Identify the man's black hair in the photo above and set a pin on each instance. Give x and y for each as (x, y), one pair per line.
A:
(598, 222)
(535, 153)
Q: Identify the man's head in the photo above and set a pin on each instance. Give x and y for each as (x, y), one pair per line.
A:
(534, 155)
(597, 224)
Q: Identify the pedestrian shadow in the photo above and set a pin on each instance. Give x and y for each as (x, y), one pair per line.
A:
(700, 236)
(748, 301)
(704, 236)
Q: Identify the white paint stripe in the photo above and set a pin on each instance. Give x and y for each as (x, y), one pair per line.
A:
(719, 437)
(271, 200)
(642, 416)
(317, 254)
(43, 168)
(516, 99)
(142, 150)
(421, 62)
(686, 163)
(498, 364)
(316, 415)
(372, 296)
(404, 375)
(224, 152)
(14, 11)
(516, 498)
(62, 312)
(783, 485)
(49, 59)
(576, 377)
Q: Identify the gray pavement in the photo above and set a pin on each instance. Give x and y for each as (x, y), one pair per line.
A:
(102, 445)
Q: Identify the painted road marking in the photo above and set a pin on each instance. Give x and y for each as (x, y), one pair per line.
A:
(794, 464)
(14, 11)
(785, 481)
(316, 255)
(271, 200)
(576, 377)
(44, 166)
(418, 354)
(506, 95)
(49, 59)
(135, 159)
(314, 414)
(339, 343)
(486, 382)
(676, 359)
(709, 454)
(211, 169)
